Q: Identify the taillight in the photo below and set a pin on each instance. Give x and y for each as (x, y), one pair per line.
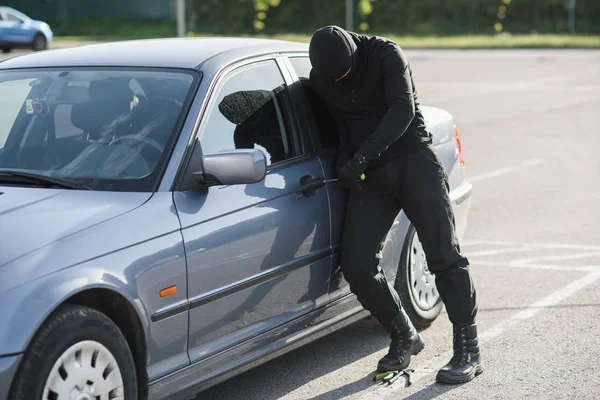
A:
(461, 157)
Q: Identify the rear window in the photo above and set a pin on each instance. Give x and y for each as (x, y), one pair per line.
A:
(12, 17)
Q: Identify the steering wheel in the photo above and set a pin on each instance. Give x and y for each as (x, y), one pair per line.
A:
(144, 103)
(151, 142)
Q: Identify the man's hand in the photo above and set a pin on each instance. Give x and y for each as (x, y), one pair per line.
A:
(351, 175)
(342, 159)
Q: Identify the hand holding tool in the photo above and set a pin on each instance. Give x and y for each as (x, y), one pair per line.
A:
(352, 174)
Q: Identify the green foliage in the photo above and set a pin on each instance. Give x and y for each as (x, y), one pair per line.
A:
(401, 17)
(420, 17)
(261, 7)
(224, 16)
(365, 8)
(114, 30)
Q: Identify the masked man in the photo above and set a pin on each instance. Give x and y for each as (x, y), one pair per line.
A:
(367, 85)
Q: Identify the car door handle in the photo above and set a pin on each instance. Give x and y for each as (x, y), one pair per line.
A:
(309, 183)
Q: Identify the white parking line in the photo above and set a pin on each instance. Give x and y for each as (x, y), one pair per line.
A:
(503, 171)
(568, 103)
(577, 268)
(509, 250)
(548, 301)
(542, 261)
(497, 330)
(479, 258)
(529, 244)
(532, 260)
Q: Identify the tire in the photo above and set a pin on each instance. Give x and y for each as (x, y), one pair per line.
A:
(68, 331)
(6, 49)
(39, 42)
(423, 309)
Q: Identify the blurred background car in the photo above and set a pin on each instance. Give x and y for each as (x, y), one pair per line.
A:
(18, 30)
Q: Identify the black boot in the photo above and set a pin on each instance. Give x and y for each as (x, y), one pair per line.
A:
(406, 342)
(466, 362)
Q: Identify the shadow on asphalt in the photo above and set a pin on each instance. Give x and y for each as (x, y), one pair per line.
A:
(298, 368)
(431, 392)
(347, 390)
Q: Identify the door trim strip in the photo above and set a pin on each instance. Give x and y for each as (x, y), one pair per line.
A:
(255, 280)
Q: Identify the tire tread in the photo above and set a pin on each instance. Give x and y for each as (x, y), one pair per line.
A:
(35, 359)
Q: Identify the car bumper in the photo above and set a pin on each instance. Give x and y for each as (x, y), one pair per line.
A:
(49, 36)
(460, 197)
(8, 369)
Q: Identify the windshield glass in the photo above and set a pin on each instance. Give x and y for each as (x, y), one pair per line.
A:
(110, 129)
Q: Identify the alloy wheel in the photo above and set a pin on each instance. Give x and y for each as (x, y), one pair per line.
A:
(85, 371)
(422, 281)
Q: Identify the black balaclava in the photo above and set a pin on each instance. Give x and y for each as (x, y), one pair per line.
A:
(332, 52)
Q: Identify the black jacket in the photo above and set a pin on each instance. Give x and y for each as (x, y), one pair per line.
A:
(375, 105)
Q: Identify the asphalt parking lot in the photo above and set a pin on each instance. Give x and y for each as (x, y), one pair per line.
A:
(529, 123)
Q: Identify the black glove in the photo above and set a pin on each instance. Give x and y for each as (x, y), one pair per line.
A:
(350, 175)
(342, 158)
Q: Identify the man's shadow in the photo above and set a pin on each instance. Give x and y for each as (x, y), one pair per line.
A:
(286, 374)
(432, 391)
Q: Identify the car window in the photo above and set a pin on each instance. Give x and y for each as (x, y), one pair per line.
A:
(108, 128)
(250, 111)
(12, 18)
(318, 111)
(302, 66)
(11, 105)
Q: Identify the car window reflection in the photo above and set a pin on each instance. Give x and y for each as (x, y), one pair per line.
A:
(256, 116)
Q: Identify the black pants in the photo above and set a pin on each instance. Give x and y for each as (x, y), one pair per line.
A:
(416, 183)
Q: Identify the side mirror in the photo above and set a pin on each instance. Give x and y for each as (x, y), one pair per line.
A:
(234, 167)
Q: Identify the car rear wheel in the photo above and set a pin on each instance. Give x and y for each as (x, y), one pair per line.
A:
(415, 284)
(6, 49)
(79, 353)
(40, 42)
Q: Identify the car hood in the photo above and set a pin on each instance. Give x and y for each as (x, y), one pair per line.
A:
(37, 24)
(43, 27)
(31, 218)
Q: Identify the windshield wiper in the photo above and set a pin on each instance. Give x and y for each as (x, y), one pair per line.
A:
(40, 180)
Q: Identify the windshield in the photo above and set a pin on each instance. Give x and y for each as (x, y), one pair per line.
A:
(109, 129)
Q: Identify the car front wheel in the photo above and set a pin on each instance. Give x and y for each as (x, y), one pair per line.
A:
(6, 49)
(415, 284)
(79, 353)
(40, 42)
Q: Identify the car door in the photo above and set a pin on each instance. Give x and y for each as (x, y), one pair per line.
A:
(6, 28)
(323, 129)
(16, 31)
(258, 255)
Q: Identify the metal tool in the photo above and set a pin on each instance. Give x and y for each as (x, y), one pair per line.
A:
(390, 377)
(317, 183)
(362, 178)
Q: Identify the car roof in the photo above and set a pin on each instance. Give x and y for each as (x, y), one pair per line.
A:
(170, 52)
(13, 10)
